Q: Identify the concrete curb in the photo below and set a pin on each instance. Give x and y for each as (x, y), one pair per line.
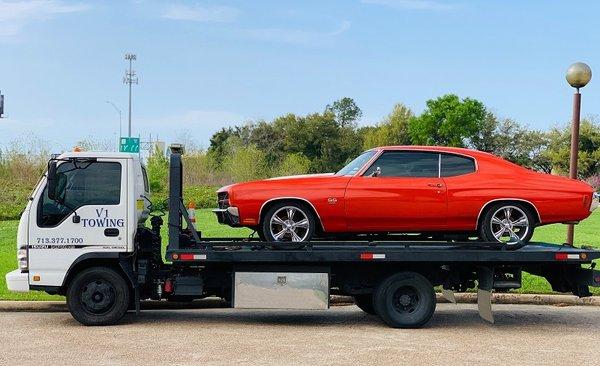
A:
(211, 303)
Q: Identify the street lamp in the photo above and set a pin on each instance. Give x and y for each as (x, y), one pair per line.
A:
(118, 110)
(130, 78)
(578, 75)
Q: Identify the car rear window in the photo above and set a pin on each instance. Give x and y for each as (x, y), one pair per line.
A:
(453, 165)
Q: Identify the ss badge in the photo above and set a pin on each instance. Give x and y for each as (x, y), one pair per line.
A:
(281, 280)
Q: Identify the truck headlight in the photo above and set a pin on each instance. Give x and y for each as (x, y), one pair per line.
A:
(22, 258)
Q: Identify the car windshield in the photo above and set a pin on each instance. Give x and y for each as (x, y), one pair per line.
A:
(354, 166)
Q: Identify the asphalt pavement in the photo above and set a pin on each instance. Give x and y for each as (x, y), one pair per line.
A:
(343, 335)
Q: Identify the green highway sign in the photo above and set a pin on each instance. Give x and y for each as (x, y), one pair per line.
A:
(130, 144)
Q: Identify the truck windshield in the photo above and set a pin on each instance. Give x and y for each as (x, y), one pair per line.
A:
(354, 166)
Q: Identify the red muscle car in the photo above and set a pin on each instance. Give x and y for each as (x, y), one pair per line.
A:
(409, 189)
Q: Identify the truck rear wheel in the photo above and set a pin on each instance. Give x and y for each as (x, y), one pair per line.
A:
(98, 296)
(405, 300)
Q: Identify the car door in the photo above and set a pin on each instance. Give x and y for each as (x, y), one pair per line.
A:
(407, 195)
(94, 190)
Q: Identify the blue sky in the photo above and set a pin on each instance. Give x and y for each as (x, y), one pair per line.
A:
(207, 64)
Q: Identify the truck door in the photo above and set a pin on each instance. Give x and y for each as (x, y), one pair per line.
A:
(97, 192)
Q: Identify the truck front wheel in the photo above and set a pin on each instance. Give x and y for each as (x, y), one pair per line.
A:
(98, 296)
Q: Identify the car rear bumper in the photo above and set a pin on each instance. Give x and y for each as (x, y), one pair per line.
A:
(228, 216)
(17, 281)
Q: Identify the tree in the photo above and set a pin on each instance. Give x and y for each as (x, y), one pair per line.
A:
(448, 121)
(346, 112)
(393, 130)
(292, 164)
(559, 143)
(243, 162)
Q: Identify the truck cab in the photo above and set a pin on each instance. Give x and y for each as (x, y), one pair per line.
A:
(94, 208)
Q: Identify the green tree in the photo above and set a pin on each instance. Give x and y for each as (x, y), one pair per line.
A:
(292, 164)
(346, 112)
(393, 130)
(559, 144)
(243, 162)
(448, 121)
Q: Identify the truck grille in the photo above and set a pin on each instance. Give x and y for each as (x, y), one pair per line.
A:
(223, 199)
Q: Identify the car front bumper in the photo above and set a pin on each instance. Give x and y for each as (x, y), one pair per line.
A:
(17, 281)
(228, 216)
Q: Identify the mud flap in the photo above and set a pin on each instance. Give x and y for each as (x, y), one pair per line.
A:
(449, 295)
(485, 276)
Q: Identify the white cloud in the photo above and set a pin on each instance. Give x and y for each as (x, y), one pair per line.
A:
(413, 4)
(295, 36)
(15, 15)
(196, 13)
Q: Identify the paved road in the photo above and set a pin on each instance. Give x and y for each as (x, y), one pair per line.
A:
(522, 335)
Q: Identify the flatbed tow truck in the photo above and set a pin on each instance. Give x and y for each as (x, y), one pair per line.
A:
(107, 263)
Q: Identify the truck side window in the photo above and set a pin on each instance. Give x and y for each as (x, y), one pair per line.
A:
(97, 184)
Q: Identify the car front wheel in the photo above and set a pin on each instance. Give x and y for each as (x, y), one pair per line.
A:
(289, 221)
(507, 223)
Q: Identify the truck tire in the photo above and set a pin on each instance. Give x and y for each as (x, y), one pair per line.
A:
(405, 300)
(365, 303)
(503, 219)
(98, 296)
(289, 221)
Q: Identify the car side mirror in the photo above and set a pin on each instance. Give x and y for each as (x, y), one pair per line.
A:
(376, 172)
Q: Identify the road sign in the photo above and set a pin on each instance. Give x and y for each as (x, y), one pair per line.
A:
(130, 144)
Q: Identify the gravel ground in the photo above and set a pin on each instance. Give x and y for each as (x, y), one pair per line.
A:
(343, 335)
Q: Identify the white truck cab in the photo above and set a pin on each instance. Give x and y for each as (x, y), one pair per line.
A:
(102, 197)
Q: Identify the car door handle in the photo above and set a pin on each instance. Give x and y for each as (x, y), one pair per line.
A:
(436, 185)
(111, 232)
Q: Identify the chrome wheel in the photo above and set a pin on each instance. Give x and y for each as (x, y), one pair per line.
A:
(509, 224)
(289, 223)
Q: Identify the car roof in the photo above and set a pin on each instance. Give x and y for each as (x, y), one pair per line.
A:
(446, 149)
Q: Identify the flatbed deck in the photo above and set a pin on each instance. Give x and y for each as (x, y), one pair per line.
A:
(241, 250)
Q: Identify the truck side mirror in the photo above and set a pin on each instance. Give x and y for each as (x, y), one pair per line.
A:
(57, 183)
(51, 178)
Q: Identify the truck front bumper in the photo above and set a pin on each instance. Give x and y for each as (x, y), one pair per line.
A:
(17, 281)
(228, 216)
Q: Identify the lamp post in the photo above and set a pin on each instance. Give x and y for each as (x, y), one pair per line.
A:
(578, 75)
(130, 78)
(118, 110)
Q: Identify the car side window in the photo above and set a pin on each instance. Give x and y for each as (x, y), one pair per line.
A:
(98, 183)
(406, 164)
(453, 165)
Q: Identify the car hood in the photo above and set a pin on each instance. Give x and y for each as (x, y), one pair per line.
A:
(289, 178)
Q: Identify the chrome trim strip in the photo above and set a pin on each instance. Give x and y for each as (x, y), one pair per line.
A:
(539, 218)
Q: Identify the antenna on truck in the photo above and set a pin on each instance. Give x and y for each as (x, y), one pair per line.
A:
(1, 105)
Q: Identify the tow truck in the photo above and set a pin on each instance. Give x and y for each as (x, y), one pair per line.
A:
(84, 235)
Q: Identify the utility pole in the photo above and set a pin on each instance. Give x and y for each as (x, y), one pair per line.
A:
(130, 78)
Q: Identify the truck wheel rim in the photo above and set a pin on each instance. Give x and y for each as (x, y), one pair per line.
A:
(509, 224)
(406, 299)
(98, 297)
(289, 223)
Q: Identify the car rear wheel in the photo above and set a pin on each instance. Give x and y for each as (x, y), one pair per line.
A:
(289, 221)
(507, 223)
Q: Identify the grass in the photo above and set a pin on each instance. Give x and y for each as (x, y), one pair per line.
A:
(585, 234)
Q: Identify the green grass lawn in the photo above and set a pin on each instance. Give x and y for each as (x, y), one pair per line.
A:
(586, 233)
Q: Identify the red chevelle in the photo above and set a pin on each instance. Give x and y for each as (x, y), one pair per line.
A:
(409, 189)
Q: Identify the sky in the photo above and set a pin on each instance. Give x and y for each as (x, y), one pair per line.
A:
(203, 65)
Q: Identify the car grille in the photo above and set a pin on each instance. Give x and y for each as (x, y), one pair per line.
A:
(223, 199)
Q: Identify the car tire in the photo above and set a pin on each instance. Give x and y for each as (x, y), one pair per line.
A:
(495, 215)
(405, 300)
(365, 303)
(98, 296)
(299, 227)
